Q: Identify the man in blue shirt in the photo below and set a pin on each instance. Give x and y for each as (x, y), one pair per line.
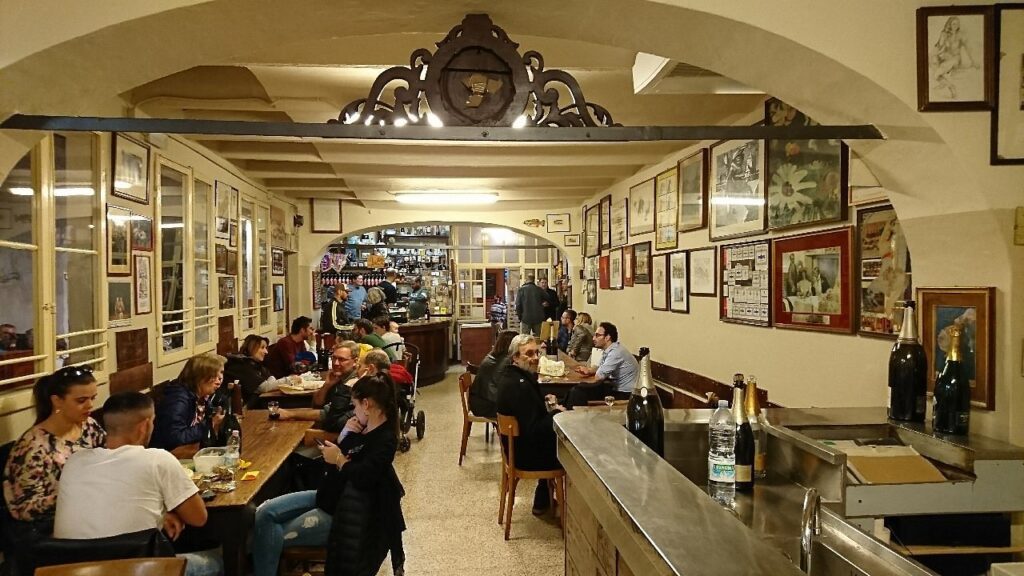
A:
(356, 296)
(615, 376)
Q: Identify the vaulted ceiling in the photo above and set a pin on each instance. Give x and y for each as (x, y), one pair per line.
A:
(314, 82)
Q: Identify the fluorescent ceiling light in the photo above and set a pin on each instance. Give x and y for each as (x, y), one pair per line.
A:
(73, 191)
(21, 191)
(446, 198)
(172, 225)
(735, 201)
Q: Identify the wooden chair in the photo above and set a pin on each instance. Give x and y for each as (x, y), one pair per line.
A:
(310, 437)
(302, 560)
(465, 381)
(129, 567)
(508, 427)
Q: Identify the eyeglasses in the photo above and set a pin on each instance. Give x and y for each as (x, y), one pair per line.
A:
(597, 334)
(531, 353)
(340, 359)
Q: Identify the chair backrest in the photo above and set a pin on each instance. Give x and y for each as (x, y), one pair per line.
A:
(130, 567)
(465, 381)
(508, 428)
(142, 544)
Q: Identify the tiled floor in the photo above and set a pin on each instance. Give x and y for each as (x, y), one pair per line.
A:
(452, 511)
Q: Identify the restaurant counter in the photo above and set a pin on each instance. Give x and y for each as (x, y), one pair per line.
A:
(432, 338)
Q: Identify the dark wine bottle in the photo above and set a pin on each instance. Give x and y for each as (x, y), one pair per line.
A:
(321, 353)
(230, 422)
(908, 367)
(952, 411)
(644, 415)
(745, 447)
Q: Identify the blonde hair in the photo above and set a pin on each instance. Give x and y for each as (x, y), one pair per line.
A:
(199, 369)
(584, 318)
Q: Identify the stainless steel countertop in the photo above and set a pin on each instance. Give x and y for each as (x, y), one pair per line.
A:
(692, 533)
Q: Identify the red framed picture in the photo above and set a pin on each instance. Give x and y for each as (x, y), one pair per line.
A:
(603, 275)
(813, 281)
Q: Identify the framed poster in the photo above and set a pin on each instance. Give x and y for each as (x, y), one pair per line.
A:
(659, 282)
(278, 231)
(233, 262)
(973, 310)
(746, 283)
(955, 58)
(326, 215)
(807, 179)
(604, 280)
(813, 288)
(693, 191)
(119, 304)
(220, 258)
(119, 248)
(558, 223)
(591, 288)
(233, 233)
(571, 239)
(703, 272)
(131, 169)
(222, 210)
(226, 292)
(620, 222)
(642, 263)
(627, 266)
(592, 235)
(143, 284)
(666, 209)
(641, 208)
(278, 297)
(1008, 112)
(606, 222)
(276, 262)
(883, 270)
(142, 233)
(679, 282)
(615, 269)
(737, 194)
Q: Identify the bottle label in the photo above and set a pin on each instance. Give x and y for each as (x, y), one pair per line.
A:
(721, 470)
(744, 473)
(759, 462)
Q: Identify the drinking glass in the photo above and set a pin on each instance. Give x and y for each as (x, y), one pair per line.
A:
(609, 401)
(273, 406)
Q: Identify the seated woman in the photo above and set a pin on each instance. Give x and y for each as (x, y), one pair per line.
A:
(483, 393)
(357, 512)
(247, 367)
(63, 427)
(581, 342)
(181, 414)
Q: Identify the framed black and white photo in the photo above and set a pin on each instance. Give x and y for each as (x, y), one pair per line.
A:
(233, 233)
(666, 209)
(693, 191)
(142, 234)
(641, 208)
(592, 234)
(276, 262)
(571, 239)
(606, 222)
(232, 262)
(642, 263)
(659, 282)
(278, 297)
(620, 222)
(226, 292)
(119, 304)
(1008, 112)
(119, 246)
(143, 284)
(558, 223)
(220, 258)
(222, 210)
(679, 282)
(737, 195)
(131, 169)
(955, 58)
(591, 288)
(703, 272)
(615, 269)
(745, 276)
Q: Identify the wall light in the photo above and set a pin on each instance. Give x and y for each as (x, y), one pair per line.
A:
(737, 201)
(446, 198)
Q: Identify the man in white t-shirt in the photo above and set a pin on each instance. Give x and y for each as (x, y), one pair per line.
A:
(127, 487)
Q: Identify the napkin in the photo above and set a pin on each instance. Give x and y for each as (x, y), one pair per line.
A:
(251, 475)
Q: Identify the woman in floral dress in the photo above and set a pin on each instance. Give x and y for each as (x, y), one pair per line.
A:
(63, 426)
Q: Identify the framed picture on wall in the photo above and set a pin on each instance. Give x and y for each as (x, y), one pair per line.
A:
(620, 222)
(813, 283)
(142, 233)
(278, 231)
(666, 209)
(571, 239)
(955, 58)
(220, 258)
(807, 179)
(143, 284)
(558, 223)
(606, 222)
(737, 194)
(232, 267)
(131, 169)
(883, 271)
(119, 304)
(591, 288)
(615, 269)
(592, 235)
(679, 282)
(659, 282)
(222, 210)
(276, 262)
(627, 266)
(326, 215)
(745, 277)
(278, 297)
(1008, 112)
(693, 191)
(603, 273)
(973, 311)
(641, 208)
(226, 292)
(703, 272)
(642, 263)
(119, 247)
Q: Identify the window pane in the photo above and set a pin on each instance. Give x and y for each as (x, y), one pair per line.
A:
(76, 309)
(201, 196)
(17, 271)
(16, 196)
(74, 190)
(201, 219)
(172, 255)
(248, 281)
(68, 349)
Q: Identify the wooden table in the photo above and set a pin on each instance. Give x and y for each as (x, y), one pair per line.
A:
(560, 385)
(267, 445)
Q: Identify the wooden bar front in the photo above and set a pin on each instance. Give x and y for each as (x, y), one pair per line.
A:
(432, 339)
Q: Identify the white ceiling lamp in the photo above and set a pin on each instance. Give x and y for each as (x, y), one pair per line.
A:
(446, 198)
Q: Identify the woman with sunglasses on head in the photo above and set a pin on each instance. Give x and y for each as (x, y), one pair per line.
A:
(63, 426)
(181, 414)
(247, 367)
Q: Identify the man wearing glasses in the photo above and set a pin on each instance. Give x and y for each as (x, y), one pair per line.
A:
(335, 396)
(615, 375)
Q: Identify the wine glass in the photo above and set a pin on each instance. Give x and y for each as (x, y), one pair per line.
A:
(274, 408)
(609, 401)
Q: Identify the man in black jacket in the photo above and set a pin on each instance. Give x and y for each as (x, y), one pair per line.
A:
(388, 286)
(519, 395)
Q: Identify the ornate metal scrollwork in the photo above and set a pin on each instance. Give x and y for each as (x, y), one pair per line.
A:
(475, 78)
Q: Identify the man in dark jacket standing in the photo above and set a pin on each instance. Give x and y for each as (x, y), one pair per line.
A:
(388, 286)
(530, 307)
(519, 395)
(551, 311)
(333, 315)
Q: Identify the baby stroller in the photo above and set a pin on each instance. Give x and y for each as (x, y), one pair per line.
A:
(407, 380)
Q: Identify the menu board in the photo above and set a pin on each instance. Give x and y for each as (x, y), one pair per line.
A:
(746, 283)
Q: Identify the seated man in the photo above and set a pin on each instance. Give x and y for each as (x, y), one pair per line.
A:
(281, 358)
(392, 340)
(364, 334)
(616, 374)
(519, 395)
(127, 487)
(335, 396)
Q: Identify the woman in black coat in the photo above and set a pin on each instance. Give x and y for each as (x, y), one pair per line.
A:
(483, 393)
(247, 367)
(362, 487)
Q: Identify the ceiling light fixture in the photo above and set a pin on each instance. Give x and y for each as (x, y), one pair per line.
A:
(446, 198)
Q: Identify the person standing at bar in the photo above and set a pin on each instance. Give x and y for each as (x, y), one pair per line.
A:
(388, 286)
(418, 300)
(356, 297)
(530, 306)
(616, 374)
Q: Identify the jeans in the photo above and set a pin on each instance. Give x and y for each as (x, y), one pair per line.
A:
(534, 329)
(289, 520)
(205, 563)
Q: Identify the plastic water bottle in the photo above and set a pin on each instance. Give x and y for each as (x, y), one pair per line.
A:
(233, 452)
(722, 455)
